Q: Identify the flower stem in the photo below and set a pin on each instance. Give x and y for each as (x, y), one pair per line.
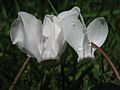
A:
(19, 74)
(108, 59)
(53, 7)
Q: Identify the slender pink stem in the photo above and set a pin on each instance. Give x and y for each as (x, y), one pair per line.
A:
(19, 74)
(108, 59)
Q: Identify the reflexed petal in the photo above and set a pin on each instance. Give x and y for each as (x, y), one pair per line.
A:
(29, 29)
(51, 22)
(53, 44)
(97, 31)
(73, 32)
(47, 32)
(61, 43)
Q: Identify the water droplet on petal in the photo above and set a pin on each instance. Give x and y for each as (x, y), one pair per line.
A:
(73, 24)
(89, 44)
(79, 49)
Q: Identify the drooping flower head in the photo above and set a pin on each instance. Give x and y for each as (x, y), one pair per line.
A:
(79, 37)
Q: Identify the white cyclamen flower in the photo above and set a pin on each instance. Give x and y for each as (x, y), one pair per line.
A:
(79, 37)
(37, 40)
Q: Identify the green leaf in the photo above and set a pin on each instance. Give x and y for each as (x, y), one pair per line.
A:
(116, 82)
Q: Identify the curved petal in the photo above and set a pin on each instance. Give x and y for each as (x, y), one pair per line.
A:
(29, 31)
(53, 32)
(73, 32)
(47, 32)
(16, 33)
(69, 12)
(97, 31)
(59, 37)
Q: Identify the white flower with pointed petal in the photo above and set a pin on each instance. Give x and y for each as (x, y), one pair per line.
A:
(26, 32)
(78, 36)
(54, 45)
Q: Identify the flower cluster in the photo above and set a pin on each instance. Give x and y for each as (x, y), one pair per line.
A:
(47, 40)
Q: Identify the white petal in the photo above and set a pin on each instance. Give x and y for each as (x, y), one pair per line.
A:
(47, 26)
(59, 37)
(73, 32)
(54, 42)
(16, 33)
(47, 32)
(98, 31)
(69, 12)
(31, 29)
(87, 49)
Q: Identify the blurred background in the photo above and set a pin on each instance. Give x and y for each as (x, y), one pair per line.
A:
(68, 74)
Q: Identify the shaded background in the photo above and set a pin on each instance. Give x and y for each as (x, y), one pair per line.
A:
(68, 74)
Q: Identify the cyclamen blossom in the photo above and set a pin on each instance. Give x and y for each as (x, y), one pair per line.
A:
(42, 41)
(79, 37)
(47, 41)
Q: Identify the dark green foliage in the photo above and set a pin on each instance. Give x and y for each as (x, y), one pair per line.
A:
(67, 74)
(106, 86)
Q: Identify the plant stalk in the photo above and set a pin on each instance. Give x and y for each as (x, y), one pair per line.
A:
(12, 87)
(108, 59)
